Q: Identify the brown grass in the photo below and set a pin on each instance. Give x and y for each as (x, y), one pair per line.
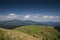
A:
(15, 35)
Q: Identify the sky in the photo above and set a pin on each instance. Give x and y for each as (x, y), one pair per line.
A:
(35, 10)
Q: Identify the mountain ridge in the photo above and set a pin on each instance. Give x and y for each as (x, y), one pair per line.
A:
(15, 23)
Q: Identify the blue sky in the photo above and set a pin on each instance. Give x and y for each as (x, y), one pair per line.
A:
(36, 10)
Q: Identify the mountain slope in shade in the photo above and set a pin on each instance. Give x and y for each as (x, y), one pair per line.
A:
(14, 23)
(6, 34)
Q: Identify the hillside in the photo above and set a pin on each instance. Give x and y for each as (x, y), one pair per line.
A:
(30, 32)
(6, 34)
(45, 32)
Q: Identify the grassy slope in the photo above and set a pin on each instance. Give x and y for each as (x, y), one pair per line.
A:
(6, 34)
(44, 32)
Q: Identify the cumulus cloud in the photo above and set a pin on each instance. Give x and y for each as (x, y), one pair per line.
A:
(45, 16)
(26, 16)
(50, 17)
(9, 16)
(12, 15)
(30, 17)
(41, 17)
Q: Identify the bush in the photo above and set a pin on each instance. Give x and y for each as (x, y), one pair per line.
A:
(1, 35)
(33, 35)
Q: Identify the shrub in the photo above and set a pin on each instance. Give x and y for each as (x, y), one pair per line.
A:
(1, 35)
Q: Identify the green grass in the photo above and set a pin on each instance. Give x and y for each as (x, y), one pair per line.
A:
(45, 32)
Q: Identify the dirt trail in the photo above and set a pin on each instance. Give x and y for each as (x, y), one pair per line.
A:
(15, 35)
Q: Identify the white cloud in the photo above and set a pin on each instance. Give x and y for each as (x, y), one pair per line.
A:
(12, 15)
(9, 16)
(51, 16)
(30, 17)
(26, 16)
(45, 16)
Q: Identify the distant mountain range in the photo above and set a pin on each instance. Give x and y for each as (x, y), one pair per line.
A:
(51, 23)
(15, 23)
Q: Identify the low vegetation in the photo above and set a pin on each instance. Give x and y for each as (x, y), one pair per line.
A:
(44, 32)
(30, 32)
(6, 34)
